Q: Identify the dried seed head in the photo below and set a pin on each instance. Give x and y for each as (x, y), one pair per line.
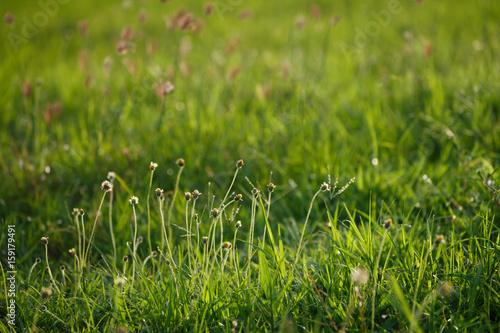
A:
(38, 260)
(180, 162)
(134, 200)
(187, 196)
(387, 223)
(439, 240)
(196, 194)
(205, 240)
(82, 212)
(271, 187)
(154, 254)
(46, 292)
(72, 251)
(195, 216)
(111, 176)
(159, 192)
(360, 276)
(325, 187)
(62, 268)
(125, 258)
(120, 281)
(446, 289)
(214, 212)
(45, 240)
(240, 164)
(76, 211)
(238, 197)
(227, 246)
(9, 18)
(167, 261)
(106, 186)
(255, 192)
(140, 239)
(238, 224)
(153, 166)
(209, 8)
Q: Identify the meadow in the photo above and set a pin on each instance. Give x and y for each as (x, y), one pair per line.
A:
(231, 166)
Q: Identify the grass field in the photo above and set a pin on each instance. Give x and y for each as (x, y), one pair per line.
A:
(369, 139)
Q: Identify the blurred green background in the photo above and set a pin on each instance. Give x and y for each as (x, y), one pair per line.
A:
(402, 95)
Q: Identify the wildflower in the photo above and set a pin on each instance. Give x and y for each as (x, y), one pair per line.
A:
(27, 89)
(120, 281)
(111, 176)
(125, 258)
(45, 240)
(133, 200)
(360, 276)
(205, 240)
(76, 211)
(8, 18)
(214, 212)
(239, 164)
(46, 292)
(439, 240)
(271, 187)
(387, 223)
(238, 197)
(82, 212)
(325, 187)
(153, 166)
(238, 224)
(227, 246)
(159, 192)
(209, 8)
(72, 251)
(106, 186)
(187, 196)
(180, 162)
(195, 216)
(255, 192)
(196, 194)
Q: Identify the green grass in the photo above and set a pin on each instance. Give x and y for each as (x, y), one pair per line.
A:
(409, 110)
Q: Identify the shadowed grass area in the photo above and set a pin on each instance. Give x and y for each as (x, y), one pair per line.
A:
(398, 99)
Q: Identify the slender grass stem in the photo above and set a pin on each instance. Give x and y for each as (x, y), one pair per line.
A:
(149, 212)
(172, 203)
(375, 277)
(111, 232)
(304, 228)
(93, 228)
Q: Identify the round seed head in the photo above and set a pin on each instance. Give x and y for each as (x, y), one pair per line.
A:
(387, 223)
(134, 200)
(120, 281)
(45, 240)
(125, 258)
(238, 224)
(180, 162)
(46, 292)
(82, 212)
(72, 251)
(439, 240)
(62, 268)
(271, 187)
(214, 212)
(205, 240)
(227, 246)
(159, 192)
(106, 186)
(238, 197)
(195, 216)
(187, 196)
(196, 194)
(153, 166)
(111, 176)
(38, 260)
(360, 276)
(255, 192)
(240, 164)
(325, 187)
(167, 261)
(76, 211)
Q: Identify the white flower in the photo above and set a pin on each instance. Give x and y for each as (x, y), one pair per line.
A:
(134, 200)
